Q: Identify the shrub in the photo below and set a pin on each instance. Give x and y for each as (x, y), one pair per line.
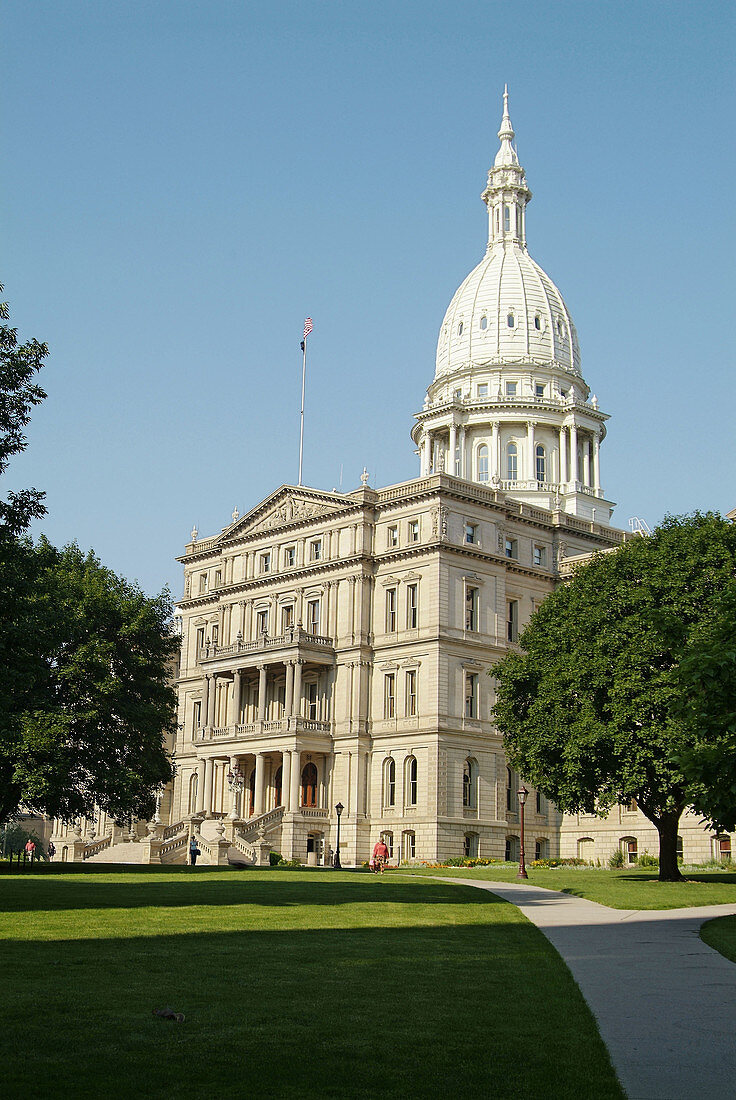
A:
(571, 861)
(645, 860)
(285, 864)
(274, 858)
(616, 859)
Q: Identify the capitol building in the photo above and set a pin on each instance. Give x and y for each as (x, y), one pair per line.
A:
(336, 647)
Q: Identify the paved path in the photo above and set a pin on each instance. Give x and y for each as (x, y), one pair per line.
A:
(665, 1002)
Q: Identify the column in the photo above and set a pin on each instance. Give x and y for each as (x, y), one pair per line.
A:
(451, 467)
(248, 624)
(260, 782)
(532, 465)
(332, 632)
(586, 460)
(597, 462)
(495, 457)
(573, 452)
(211, 699)
(285, 777)
(200, 787)
(234, 717)
(234, 793)
(289, 701)
(563, 456)
(204, 715)
(297, 700)
(209, 771)
(261, 693)
(463, 460)
(295, 782)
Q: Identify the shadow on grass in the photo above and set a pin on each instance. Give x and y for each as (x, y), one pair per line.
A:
(482, 1009)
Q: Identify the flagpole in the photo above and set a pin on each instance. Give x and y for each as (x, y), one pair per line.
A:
(301, 421)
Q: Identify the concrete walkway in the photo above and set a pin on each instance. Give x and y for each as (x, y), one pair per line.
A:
(665, 1003)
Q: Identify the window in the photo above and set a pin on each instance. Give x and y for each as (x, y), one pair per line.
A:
(538, 325)
(511, 548)
(408, 847)
(197, 716)
(414, 530)
(412, 606)
(202, 582)
(313, 701)
(262, 622)
(315, 550)
(510, 320)
(482, 390)
(510, 798)
(390, 610)
(541, 463)
(460, 329)
(512, 462)
(541, 806)
(631, 806)
(471, 533)
(680, 855)
(471, 695)
(539, 389)
(289, 557)
(724, 848)
(193, 784)
(411, 693)
(215, 633)
(457, 395)
(313, 616)
(563, 394)
(309, 785)
(470, 845)
(507, 219)
(512, 620)
(200, 638)
(218, 578)
(484, 322)
(586, 848)
(389, 695)
(470, 785)
(540, 556)
(541, 848)
(388, 840)
(392, 536)
(410, 781)
(512, 849)
(389, 782)
(265, 563)
(471, 607)
(630, 849)
(511, 389)
(287, 617)
(483, 463)
(559, 327)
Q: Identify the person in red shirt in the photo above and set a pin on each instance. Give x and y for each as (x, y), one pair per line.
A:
(380, 856)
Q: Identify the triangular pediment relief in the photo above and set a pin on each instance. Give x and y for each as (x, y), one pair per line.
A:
(286, 506)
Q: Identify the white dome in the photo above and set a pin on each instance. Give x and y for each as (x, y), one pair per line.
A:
(507, 311)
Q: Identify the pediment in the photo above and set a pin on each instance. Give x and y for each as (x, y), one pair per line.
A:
(288, 505)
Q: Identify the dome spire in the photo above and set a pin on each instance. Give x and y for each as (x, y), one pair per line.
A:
(506, 193)
(506, 154)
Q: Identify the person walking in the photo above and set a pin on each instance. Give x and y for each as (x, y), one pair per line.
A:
(380, 855)
(193, 852)
(51, 850)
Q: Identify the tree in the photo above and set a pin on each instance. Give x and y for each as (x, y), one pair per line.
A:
(707, 680)
(591, 707)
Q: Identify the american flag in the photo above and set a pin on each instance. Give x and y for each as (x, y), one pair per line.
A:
(308, 326)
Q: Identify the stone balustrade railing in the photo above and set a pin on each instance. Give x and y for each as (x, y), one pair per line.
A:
(294, 636)
(292, 724)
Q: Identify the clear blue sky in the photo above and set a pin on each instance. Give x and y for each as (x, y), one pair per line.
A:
(184, 182)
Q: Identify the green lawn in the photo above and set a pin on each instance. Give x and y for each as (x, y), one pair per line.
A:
(721, 935)
(629, 889)
(294, 984)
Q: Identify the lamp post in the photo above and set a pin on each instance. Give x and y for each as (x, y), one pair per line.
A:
(522, 793)
(336, 862)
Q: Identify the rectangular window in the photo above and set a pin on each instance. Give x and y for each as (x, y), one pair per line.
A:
(392, 537)
(388, 840)
(287, 617)
(540, 556)
(265, 563)
(414, 530)
(410, 847)
(471, 608)
(539, 389)
(200, 638)
(313, 616)
(512, 620)
(289, 556)
(483, 390)
(411, 693)
(261, 622)
(218, 578)
(197, 719)
(389, 695)
(215, 634)
(471, 695)
(202, 582)
(390, 610)
(512, 548)
(315, 550)
(457, 395)
(511, 389)
(471, 533)
(541, 805)
(312, 701)
(412, 606)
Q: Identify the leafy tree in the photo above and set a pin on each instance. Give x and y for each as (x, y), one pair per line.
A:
(591, 707)
(708, 711)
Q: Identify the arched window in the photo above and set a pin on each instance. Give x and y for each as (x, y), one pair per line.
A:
(410, 781)
(251, 793)
(541, 848)
(537, 322)
(586, 848)
(630, 848)
(388, 840)
(541, 462)
(408, 846)
(278, 784)
(483, 462)
(484, 322)
(389, 781)
(460, 329)
(470, 845)
(470, 784)
(309, 785)
(507, 219)
(193, 784)
(512, 462)
(512, 849)
(510, 320)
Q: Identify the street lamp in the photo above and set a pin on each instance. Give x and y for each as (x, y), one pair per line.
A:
(522, 793)
(336, 861)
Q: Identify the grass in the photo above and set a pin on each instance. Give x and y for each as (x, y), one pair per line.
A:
(720, 934)
(626, 889)
(294, 984)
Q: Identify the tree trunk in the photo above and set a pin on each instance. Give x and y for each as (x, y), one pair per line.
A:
(667, 825)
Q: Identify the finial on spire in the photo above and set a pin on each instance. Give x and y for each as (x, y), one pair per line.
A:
(506, 154)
